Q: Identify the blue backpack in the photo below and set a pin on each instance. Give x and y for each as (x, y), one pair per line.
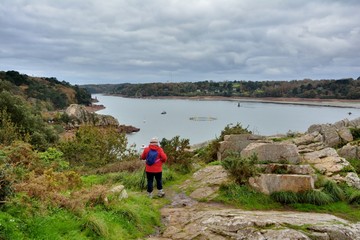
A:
(151, 157)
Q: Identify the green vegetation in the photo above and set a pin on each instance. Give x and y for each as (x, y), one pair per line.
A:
(244, 197)
(52, 189)
(325, 89)
(43, 92)
(240, 169)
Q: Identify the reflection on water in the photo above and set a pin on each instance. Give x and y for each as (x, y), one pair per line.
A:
(260, 118)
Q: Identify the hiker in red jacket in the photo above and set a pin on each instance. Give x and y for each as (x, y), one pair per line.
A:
(154, 169)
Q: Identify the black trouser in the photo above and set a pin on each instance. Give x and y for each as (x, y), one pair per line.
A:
(150, 181)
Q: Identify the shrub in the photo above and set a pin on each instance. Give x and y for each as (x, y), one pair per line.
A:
(233, 129)
(6, 189)
(94, 147)
(356, 133)
(177, 152)
(240, 169)
(54, 158)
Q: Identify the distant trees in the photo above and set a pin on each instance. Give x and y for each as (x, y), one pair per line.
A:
(325, 89)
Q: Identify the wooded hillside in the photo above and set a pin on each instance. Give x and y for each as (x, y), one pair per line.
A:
(56, 94)
(307, 88)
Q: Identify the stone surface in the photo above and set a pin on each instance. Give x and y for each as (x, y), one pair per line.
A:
(206, 182)
(345, 135)
(287, 169)
(117, 193)
(273, 152)
(236, 143)
(269, 183)
(350, 151)
(327, 161)
(200, 222)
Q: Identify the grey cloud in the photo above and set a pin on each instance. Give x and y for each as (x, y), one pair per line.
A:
(87, 41)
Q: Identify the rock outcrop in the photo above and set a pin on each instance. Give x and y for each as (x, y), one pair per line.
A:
(197, 222)
(272, 152)
(80, 115)
(316, 147)
(205, 183)
(186, 218)
(236, 143)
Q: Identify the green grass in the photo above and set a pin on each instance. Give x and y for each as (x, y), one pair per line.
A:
(246, 198)
(340, 209)
(133, 218)
(285, 197)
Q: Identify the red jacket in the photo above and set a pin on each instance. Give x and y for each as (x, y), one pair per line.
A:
(157, 166)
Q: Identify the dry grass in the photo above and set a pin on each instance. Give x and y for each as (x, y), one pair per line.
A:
(54, 187)
(121, 166)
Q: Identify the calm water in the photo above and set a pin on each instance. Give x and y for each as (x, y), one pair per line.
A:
(260, 118)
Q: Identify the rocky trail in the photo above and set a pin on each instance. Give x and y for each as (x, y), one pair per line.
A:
(289, 165)
(188, 218)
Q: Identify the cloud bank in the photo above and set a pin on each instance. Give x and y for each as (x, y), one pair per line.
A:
(115, 41)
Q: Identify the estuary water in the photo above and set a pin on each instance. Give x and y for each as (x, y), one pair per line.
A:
(203, 120)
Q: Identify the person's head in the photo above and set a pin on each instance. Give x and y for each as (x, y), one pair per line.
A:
(154, 141)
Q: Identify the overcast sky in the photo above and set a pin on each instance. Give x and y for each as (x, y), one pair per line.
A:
(117, 41)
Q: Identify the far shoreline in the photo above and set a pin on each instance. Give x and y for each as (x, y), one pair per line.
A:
(340, 103)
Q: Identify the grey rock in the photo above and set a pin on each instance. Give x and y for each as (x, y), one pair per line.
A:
(269, 183)
(349, 151)
(345, 135)
(236, 143)
(273, 152)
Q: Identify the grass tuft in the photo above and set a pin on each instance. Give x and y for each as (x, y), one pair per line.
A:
(96, 226)
(334, 190)
(246, 198)
(354, 197)
(285, 197)
(315, 197)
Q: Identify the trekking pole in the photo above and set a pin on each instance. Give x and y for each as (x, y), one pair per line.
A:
(142, 181)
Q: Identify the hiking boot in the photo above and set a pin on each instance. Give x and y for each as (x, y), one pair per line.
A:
(150, 194)
(161, 193)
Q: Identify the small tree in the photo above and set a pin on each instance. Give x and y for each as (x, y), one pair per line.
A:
(94, 147)
(177, 153)
(240, 169)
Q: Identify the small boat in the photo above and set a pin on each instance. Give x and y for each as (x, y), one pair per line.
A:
(239, 105)
(163, 112)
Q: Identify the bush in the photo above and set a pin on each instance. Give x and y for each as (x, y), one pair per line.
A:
(356, 133)
(240, 169)
(177, 152)
(209, 153)
(54, 159)
(235, 129)
(94, 147)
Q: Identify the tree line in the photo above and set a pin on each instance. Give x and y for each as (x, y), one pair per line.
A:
(348, 88)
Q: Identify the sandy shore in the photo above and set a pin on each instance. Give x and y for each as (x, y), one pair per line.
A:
(345, 103)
